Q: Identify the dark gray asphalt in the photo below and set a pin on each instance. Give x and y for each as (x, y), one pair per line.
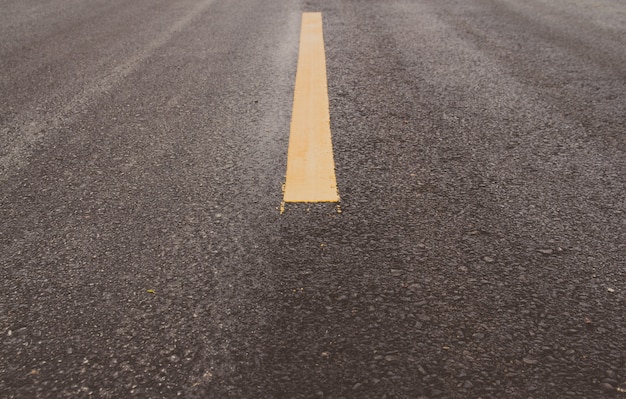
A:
(480, 251)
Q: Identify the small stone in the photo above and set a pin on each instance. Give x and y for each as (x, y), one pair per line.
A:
(528, 360)
(356, 386)
(610, 290)
(396, 272)
(606, 387)
(545, 251)
(489, 259)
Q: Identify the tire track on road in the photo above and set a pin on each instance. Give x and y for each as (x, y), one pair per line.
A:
(33, 127)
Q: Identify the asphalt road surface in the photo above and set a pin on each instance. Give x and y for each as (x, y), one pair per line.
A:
(478, 250)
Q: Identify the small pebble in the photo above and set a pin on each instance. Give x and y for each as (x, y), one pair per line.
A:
(606, 387)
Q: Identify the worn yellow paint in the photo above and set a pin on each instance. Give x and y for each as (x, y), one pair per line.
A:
(310, 163)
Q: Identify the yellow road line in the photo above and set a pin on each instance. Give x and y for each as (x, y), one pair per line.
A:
(310, 164)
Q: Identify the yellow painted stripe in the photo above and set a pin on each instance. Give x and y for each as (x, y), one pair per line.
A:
(310, 164)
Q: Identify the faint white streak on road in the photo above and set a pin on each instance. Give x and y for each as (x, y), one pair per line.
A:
(32, 128)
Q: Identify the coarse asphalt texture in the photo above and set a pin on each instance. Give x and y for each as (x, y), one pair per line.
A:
(478, 250)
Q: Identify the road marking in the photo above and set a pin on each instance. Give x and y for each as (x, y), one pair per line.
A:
(310, 164)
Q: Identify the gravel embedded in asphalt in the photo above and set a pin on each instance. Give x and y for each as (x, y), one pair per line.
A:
(478, 249)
